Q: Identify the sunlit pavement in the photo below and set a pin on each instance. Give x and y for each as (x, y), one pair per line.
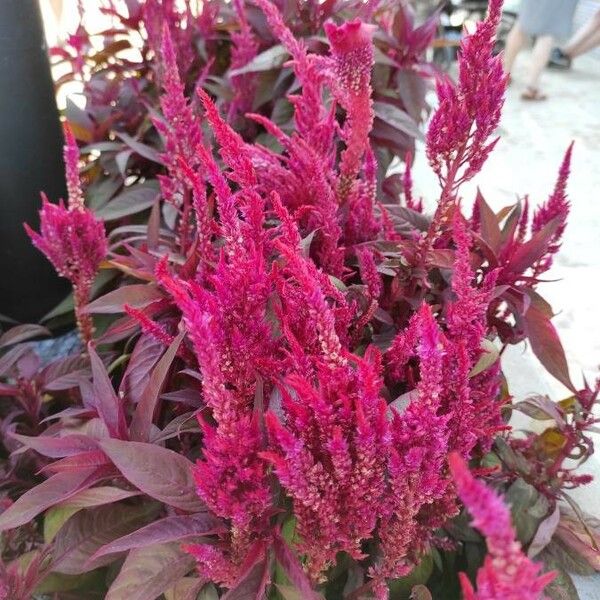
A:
(534, 137)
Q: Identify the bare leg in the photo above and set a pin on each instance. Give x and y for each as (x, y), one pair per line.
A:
(514, 44)
(585, 39)
(539, 60)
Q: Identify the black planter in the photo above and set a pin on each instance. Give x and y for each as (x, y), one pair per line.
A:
(30, 160)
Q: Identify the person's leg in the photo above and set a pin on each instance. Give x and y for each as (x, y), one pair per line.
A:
(586, 38)
(539, 59)
(514, 44)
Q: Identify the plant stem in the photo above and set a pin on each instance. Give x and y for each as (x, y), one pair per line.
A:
(85, 324)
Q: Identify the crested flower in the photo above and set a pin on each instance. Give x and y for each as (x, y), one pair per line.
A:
(72, 239)
(353, 58)
(245, 48)
(556, 208)
(330, 456)
(369, 273)
(71, 158)
(232, 480)
(468, 113)
(507, 573)
(418, 450)
(182, 136)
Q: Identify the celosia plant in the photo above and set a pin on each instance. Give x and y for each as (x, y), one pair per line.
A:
(326, 354)
(72, 239)
(507, 572)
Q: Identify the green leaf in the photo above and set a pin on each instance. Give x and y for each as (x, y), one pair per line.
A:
(562, 588)
(490, 355)
(55, 518)
(60, 582)
(528, 508)
(400, 589)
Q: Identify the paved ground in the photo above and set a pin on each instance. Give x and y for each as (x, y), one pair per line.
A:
(534, 137)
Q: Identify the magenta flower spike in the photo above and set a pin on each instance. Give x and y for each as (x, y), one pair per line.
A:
(468, 113)
(557, 208)
(507, 573)
(72, 239)
(353, 58)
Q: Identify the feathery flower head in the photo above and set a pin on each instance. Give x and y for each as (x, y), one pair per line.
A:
(556, 207)
(353, 58)
(468, 114)
(74, 241)
(231, 477)
(71, 158)
(507, 573)
(330, 456)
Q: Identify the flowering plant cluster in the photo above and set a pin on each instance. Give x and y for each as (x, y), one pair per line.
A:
(279, 395)
(228, 49)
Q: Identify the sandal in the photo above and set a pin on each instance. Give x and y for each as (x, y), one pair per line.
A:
(532, 94)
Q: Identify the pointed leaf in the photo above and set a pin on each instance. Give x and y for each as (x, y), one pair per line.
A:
(97, 496)
(544, 533)
(148, 572)
(272, 58)
(397, 118)
(531, 251)
(293, 569)
(56, 447)
(108, 405)
(144, 411)
(137, 296)
(161, 473)
(89, 529)
(140, 148)
(20, 333)
(145, 355)
(546, 345)
(490, 229)
(169, 529)
(133, 200)
(252, 583)
(48, 493)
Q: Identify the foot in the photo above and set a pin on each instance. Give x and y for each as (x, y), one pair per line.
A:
(533, 94)
(559, 60)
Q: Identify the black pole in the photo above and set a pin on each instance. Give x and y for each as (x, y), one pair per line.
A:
(30, 161)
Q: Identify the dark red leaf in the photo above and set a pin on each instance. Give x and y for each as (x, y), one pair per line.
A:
(89, 529)
(84, 460)
(52, 491)
(169, 529)
(137, 296)
(161, 473)
(531, 251)
(144, 411)
(57, 447)
(145, 355)
(546, 344)
(252, 583)
(148, 572)
(20, 333)
(108, 405)
(490, 229)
